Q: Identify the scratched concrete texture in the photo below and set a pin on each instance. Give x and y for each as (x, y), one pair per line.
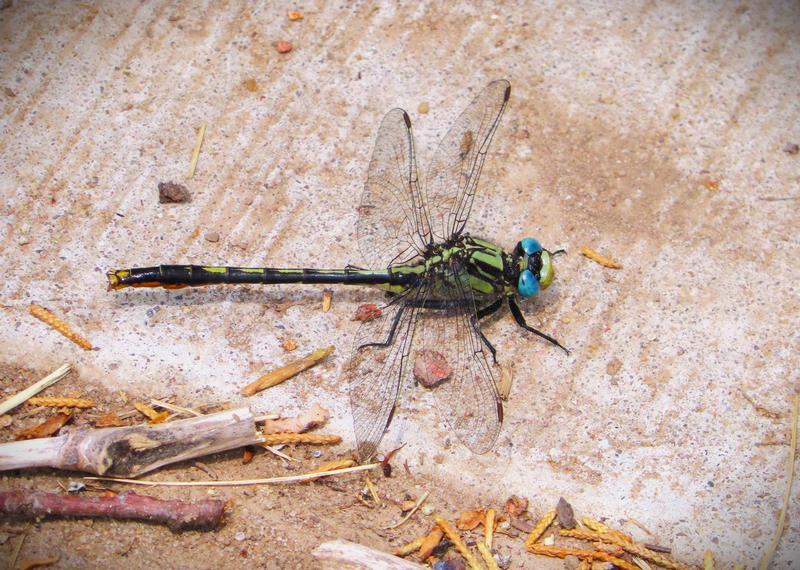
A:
(654, 132)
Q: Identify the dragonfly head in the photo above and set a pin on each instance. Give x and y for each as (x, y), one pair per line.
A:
(535, 264)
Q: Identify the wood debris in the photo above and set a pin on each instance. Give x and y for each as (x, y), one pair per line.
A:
(177, 515)
(55, 402)
(37, 562)
(137, 449)
(285, 372)
(601, 259)
(248, 452)
(515, 505)
(198, 144)
(506, 380)
(153, 416)
(430, 542)
(317, 416)
(109, 419)
(327, 298)
(12, 402)
(45, 429)
(470, 520)
(410, 547)
(54, 322)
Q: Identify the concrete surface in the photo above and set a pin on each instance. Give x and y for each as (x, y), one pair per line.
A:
(653, 132)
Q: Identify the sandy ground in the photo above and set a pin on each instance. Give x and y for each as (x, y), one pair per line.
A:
(656, 133)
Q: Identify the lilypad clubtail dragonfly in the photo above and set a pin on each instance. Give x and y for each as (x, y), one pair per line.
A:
(440, 280)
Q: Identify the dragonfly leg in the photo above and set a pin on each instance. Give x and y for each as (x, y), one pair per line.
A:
(517, 313)
(485, 312)
(392, 331)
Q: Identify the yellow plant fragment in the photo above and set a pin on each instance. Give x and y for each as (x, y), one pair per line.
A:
(540, 527)
(52, 402)
(285, 372)
(601, 259)
(53, 321)
(311, 438)
(455, 538)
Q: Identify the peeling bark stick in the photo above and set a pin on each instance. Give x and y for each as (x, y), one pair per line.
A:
(177, 515)
(132, 451)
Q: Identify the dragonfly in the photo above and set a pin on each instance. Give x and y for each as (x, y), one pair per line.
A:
(441, 282)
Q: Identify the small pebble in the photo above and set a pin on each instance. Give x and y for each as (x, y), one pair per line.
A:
(316, 454)
(172, 192)
(423, 108)
(213, 237)
(283, 46)
(791, 148)
(295, 16)
(240, 536)
(549, 540)
(571, 562)
(23, 240)
(427, 510)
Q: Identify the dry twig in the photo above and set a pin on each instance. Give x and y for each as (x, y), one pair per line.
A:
(285, 372)
(177, 515)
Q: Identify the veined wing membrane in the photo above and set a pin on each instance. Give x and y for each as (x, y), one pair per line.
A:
(379, 364)
(448, 343)
(456, 167)
(392, 226)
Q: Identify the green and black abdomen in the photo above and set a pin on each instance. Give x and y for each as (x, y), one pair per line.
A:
(177, 276)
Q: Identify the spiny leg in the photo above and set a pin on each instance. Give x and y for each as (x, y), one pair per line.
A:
(392, 331)
(515, 310)
(485, 312)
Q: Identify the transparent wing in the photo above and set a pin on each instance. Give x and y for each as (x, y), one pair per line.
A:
(447, 340)
(378, 365)
(392, 226)
(457, 163)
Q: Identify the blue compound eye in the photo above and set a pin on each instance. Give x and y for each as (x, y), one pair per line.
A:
(531, 246)
(527, 285)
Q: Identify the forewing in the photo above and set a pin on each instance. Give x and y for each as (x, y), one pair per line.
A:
(456, 167)
(467, 398)
(391, 225)
(378, 365)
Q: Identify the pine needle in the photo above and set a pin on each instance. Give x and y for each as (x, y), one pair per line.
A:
(773, 546)
(268, 481)
(196, 152)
